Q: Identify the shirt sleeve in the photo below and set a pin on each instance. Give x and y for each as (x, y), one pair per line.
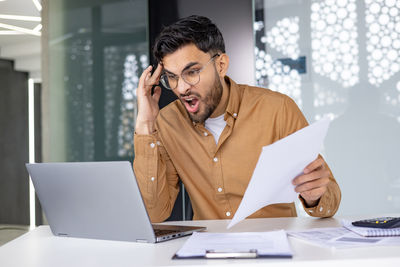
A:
(292, 120)
(156, 176)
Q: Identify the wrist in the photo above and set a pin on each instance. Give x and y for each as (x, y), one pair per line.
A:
(144, 127)
(311, 203)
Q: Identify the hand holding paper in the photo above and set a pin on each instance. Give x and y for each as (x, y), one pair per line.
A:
(278, 165)
(312, 184)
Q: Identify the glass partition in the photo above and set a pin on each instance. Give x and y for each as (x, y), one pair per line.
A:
(97, 50)
(341, 59)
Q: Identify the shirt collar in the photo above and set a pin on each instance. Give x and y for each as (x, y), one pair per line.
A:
(232, 108)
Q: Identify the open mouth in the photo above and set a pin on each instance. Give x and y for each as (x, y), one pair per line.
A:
(191, 103)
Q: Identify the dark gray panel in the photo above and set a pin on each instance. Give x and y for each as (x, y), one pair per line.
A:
(38, 143)
(14, 183)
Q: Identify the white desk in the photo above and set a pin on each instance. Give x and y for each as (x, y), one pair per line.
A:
(40, 248)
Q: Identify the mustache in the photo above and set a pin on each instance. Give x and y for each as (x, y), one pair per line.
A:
(190, 93)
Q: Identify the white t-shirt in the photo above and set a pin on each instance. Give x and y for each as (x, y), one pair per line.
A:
(215, 126)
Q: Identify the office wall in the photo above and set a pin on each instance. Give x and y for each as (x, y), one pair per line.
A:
(234, 19)
(14, 183)
(352, 75)
(94, 52)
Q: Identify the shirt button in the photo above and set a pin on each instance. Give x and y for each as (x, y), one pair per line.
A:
(219, 189)
(159, 143)
(235, 115)
(205, 133)
(215, 159)
(152, 179)
(321, 209)
(228, 213)
(152, 145)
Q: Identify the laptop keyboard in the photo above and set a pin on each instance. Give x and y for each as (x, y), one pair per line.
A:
(160, 232)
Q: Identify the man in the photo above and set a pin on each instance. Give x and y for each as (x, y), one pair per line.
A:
(211, 137)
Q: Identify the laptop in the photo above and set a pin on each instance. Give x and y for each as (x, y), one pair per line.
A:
(99, 200)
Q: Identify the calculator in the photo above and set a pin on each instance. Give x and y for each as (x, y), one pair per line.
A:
(382, 222)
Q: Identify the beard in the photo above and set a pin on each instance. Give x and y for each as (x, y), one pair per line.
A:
(209, 102)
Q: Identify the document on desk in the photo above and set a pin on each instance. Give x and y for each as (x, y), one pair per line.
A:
(278, 164)
(340, 237)
(266, 244)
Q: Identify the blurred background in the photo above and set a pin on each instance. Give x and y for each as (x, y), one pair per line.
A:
(69, 71)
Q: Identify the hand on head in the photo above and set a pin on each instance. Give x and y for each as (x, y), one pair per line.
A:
(147, 102)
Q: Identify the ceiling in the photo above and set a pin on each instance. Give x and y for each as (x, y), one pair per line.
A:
(21, 47)
(20, 8)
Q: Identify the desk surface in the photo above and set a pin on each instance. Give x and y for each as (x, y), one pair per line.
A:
(40, 248)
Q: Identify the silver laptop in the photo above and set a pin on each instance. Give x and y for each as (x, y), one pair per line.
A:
(99, 200)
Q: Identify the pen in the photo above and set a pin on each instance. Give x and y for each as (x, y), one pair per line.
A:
(214, 254)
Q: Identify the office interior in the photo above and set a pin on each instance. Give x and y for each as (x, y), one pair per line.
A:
(69, 70)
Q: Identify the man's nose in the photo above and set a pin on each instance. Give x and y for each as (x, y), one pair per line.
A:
(182, 86)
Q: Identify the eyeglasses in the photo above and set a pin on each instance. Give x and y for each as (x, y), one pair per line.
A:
(190, 76)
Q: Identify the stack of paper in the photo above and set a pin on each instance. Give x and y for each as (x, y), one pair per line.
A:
(341, 237)
(369, 231)
(266, 244)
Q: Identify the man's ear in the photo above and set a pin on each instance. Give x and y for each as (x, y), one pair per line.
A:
(222, 64)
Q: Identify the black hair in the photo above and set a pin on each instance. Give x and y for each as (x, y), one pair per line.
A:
(197, 30)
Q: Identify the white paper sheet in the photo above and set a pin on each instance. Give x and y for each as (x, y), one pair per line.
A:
(340, 237)
(273, 243)
(278, 164)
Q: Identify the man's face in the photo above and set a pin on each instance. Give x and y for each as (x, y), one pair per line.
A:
(201, 99)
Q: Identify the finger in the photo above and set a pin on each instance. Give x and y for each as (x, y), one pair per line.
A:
(318, 183)
(318, 163)
(145, 73)
(313, 194)
(157, 72)
(304, 178)
(155, 77)
(157, 93)
(142, 88)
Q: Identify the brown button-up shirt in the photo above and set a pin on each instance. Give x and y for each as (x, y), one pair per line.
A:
(216, 175)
